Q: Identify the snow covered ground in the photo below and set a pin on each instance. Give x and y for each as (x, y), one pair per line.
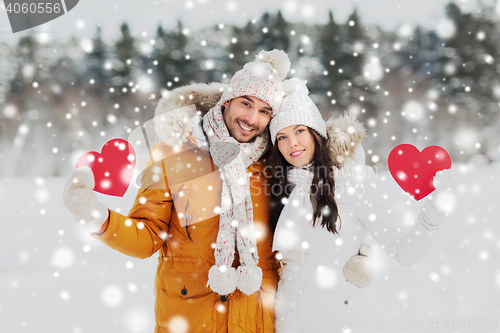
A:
(55, 278)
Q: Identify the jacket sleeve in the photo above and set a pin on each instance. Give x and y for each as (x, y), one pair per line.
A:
(407, 246)
(145, 229)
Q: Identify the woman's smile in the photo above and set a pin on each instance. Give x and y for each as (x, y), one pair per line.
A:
(296, 144)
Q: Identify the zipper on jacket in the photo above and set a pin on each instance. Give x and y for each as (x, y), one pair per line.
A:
(187, 225)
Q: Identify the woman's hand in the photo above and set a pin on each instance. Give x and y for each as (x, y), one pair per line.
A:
(360, 268)
(443, 199)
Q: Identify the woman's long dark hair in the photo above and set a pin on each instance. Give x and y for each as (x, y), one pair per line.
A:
(322, 187)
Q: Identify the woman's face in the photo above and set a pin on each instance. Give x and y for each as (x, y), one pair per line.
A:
(296, 144)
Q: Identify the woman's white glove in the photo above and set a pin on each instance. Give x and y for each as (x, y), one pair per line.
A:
(80, 199)
(443, 199)
(360, 268)
(441, 202)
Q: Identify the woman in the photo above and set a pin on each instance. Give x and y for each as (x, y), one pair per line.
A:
(324, 202)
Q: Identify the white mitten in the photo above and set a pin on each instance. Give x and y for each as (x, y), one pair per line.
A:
(80, 199)
(443, 199)
(360, 268)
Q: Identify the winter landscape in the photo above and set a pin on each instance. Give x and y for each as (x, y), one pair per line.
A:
(434, 82)
(54, 277)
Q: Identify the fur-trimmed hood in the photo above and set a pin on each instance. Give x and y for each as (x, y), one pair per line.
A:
(345, 135)
(175, 109)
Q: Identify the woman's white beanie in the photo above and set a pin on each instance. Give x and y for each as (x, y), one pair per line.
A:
(261, 78)
(297, 108)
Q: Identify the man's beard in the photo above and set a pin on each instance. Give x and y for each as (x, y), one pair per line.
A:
(252, 140)
(233, 127)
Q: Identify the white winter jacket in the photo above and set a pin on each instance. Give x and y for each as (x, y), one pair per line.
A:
(313, 293)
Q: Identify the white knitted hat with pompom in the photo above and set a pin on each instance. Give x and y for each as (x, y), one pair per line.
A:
(297, 108)
(261, 78)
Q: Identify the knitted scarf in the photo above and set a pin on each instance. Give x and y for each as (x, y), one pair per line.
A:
(236, 214)
(294, 230)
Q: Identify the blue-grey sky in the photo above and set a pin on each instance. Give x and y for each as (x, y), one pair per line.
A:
(144, 16)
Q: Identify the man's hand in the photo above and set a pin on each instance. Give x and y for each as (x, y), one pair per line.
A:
(80, 199)
(360, 268)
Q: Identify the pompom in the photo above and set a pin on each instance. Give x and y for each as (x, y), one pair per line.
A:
(295, 85)
(278, 60)
(222, 280)
(249, 279)
(359, 270)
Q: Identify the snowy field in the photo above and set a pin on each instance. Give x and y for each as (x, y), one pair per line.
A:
(55, 278)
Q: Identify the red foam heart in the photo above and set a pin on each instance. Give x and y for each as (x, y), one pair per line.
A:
(414, 171)
(113, 168)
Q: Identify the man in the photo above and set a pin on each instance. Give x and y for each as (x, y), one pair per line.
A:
(193, 217)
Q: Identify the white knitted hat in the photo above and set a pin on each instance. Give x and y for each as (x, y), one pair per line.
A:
(262, 78)
(297, 108)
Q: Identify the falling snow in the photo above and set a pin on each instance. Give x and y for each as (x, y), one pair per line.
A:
(77, 270)
(48, 264)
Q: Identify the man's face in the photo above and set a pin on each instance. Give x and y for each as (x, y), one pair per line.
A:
(246, 117)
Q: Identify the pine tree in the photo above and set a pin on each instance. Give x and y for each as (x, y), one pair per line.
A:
(265, 40)
(354, 43)
(243, 47)
(96, 75)
(329, 52)
(175, 65)
(280, 33)
(273, 32)
(178, 40)
(161, 54)
(419, 58)
(353, 46)
(27, 64)
(469, 72)
(5, 72)
(126, 58)
(237, 50)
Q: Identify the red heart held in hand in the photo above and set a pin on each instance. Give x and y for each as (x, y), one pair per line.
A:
(414, 171)
(113, 168)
